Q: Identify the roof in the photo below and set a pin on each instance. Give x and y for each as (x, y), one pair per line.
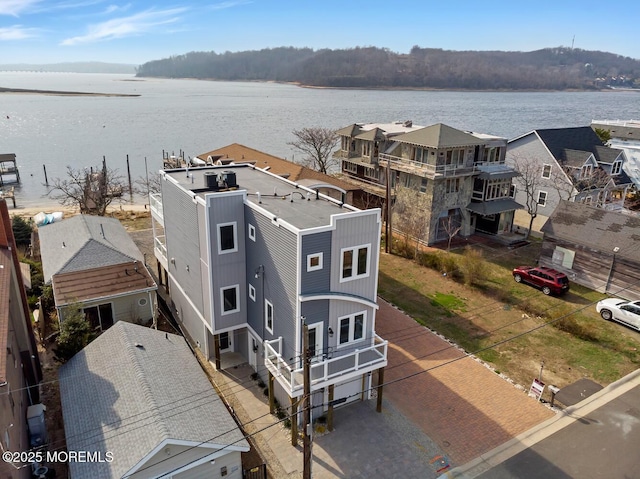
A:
(623, 129)
(288, 169)
(85, 242)
(494, 206)
(102, 282)
(133, 389)
(440, 136)
(596, 228)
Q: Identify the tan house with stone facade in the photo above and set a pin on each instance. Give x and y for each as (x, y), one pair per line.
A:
(463, 174)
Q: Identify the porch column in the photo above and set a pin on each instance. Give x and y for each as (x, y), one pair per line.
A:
(272, 400)
(216, 351)
(294, 421)
(330, 409)
(160, 278)
(379, 388)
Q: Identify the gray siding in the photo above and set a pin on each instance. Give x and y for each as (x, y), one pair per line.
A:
(276, 250)
(227, 269)
(350, 232)
(183, 248)
(319, 280)
(318, 312)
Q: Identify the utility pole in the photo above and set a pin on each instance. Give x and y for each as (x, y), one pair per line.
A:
(306, 442)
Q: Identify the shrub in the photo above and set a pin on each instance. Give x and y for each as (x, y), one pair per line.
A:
(75, 334)
(472, 266)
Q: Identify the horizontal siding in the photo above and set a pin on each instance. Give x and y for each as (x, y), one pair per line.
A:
(318, 280)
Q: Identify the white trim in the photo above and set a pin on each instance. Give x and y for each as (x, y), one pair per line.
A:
(544, 165)
(235, 237)
(268, 304)
(338, 297)
(112, 296)
(251, 231)
(354, 262)
(310, 257)
(237, 308)
(319, 328)
(546, 198)
(352, 324)
(252, 292)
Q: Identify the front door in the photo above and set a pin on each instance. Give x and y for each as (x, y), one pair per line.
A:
(315, 342)
(225, 342)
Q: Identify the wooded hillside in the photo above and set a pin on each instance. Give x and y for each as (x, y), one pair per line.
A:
(558, 68)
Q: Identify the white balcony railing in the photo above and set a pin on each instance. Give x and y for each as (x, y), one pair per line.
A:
(423, 169)
(159, 243)
(155, 203)
(327, 370)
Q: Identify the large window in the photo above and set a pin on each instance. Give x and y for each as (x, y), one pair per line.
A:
(351, 328)
(229, 299)
(366, 148)
(451, 185)
(371, 173)
(268, 316)
(100, 317)
(355, 262)
(227, 238)
(455, 157)
(350, 167)
(498, 189)
(542, 198)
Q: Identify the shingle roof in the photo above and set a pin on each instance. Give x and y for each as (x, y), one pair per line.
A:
(439, 136)
(581, 138)
(596, 228)
(85, 242)
(132, 389)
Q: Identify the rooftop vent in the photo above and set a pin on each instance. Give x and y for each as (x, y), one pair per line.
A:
(217, 181)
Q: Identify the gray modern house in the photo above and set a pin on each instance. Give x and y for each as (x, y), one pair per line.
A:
(461, 175)
(248, 257)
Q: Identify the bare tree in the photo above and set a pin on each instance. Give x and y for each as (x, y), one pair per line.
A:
(410, 209)
(452, 227)
(529, 181)
(148, 185)
(317, 145)
(90, 191)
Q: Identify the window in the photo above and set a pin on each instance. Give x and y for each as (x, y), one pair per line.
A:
(497, 189)
(512, 191)
(455, 157)
(371, 173)
(268, 316)
(586, 171)
(142, 302)
(542, 198)
(355, 263)
(351, 328)
(366, 148)
(546, 171)
(314, 262)
(492, 154)
(588, 200)
(227, 238)
(252, 292)
(617, 166)
(100, 317)
(452, 185)
(229, 299)
(252, 232)
(423, 185)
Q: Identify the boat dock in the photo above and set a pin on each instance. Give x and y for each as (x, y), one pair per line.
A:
(9, 173)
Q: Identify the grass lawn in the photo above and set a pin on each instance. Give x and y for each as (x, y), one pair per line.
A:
(512, 326)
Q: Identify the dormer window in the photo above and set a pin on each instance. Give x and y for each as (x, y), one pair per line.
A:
(616, 167)
(366, 149)
(586, 171)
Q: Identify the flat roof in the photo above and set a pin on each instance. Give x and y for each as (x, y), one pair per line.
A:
(289, 201)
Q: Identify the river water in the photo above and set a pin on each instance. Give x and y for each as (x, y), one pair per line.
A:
(199, 116)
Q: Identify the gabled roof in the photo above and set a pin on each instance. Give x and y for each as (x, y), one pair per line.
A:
(350, 130)
(595, 228)
(278, 166)
(439, 136)
(85, 242)
(372, 135)
(134, 389)
(581, 138)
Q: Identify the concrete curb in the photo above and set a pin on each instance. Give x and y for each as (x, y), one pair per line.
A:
(527, 439)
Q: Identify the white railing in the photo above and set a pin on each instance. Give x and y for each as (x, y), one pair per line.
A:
(424, 169)
(155, 203)
(326, 370)
(160, 246)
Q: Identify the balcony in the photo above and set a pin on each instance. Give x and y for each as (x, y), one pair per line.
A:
(160, 250)
(334, 368)
(424, 169)
(155, 203)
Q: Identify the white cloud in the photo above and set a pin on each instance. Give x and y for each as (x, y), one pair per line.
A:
(16, 7)
(229, 4)
(16, 32)
(142, 22)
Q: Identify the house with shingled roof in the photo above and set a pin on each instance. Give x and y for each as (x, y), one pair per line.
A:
(92, 261)
(138, 401)
(570, 164)
(461, 175)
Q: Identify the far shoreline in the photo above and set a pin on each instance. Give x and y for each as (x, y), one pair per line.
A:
(27, 91)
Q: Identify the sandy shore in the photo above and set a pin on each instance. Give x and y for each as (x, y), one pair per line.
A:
(52, 206)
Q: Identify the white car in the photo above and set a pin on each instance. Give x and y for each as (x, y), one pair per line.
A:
(624, 312)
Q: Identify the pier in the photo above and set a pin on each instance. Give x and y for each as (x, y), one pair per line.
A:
(8, 168)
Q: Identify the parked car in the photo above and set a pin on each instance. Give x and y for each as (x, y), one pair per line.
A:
(624, 312)
(547, 279)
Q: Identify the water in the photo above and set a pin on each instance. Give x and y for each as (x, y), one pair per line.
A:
(199, 116)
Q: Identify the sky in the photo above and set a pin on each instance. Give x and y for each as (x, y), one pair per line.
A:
(53, 31)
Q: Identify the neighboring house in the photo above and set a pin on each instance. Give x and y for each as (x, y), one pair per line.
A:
(92, 261)
(571, 164)
(625, 135)
(326, 184)
(463, 174)
(139, 396)
(20, 371)
(245, 267)
(595, 247)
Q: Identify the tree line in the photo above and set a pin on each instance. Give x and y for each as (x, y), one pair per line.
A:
(559, 68)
